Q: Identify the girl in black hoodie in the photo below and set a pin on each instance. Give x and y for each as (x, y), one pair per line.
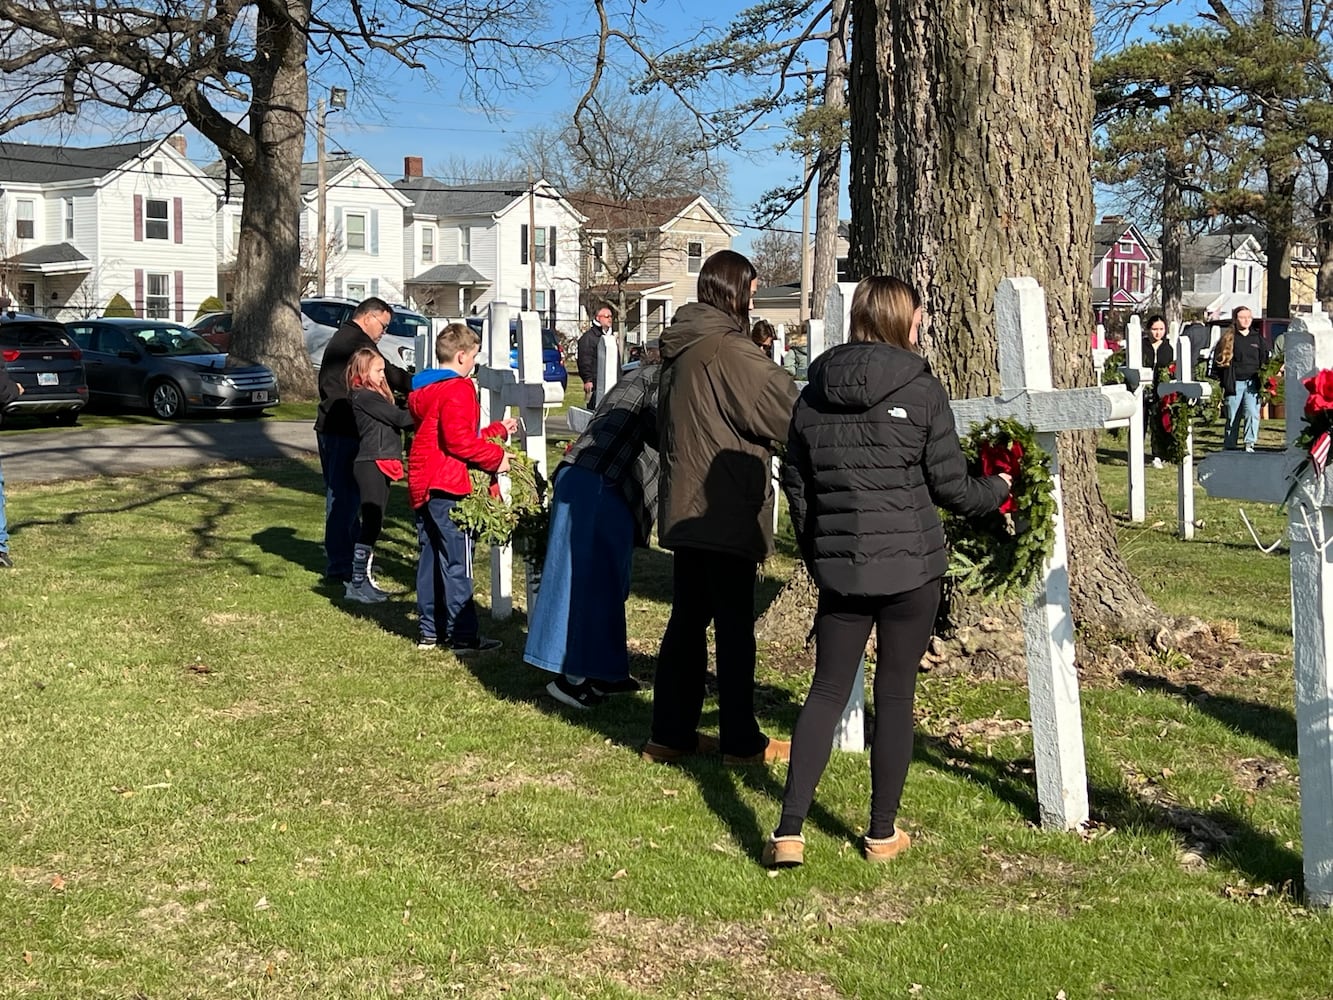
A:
(872, 449)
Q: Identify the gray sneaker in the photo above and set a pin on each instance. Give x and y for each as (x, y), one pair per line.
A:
(364, 593)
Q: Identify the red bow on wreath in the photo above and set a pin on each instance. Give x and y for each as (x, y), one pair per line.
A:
(996, 458)
(1166, 402)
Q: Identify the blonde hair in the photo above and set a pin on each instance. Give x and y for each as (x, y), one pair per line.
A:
(882, 311)
(454, 338)
(358, 370)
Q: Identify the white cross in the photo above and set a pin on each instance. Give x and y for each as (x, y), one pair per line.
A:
(1264, 477)
(527, 390)
(1134, 450)
(1188, 386)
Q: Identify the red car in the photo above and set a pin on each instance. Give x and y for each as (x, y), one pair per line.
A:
(214, 328)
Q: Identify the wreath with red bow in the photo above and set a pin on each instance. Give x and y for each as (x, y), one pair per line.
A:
(1316, 437)
(1172, 418)
(1000, 556)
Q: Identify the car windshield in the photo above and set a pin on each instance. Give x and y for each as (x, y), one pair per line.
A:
(33, 335)
(407, 325)
(171, 341)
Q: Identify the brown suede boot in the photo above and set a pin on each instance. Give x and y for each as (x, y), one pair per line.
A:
(776, 750)
(660, 753)
(887, 848)
(784, 852)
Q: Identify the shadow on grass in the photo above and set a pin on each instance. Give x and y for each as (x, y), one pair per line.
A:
(1275, 726)
(1222, 833)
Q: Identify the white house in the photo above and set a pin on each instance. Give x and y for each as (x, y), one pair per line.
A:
(1222, 272)
(81, 225)
(364, 234)
(500, 241)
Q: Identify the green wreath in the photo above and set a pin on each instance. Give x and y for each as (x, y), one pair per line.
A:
(1001, 556)
(1172, 417)
(1112, 373)
(523, 521)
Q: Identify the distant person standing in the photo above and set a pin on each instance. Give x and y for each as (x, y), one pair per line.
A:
(1157, 352)
(9, 391)
(336, 433)
(588, 355)
(763, 334)
(1239, 356)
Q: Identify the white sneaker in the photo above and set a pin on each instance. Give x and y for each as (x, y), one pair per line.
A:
(1250, 448)
(364, 593)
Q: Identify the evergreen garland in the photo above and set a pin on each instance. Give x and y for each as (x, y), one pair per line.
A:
(1111, 373)
(1001, 556)
(1172, 418)
(522, 521)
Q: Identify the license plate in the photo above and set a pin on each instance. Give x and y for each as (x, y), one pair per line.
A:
(48, 378)
(259, 396)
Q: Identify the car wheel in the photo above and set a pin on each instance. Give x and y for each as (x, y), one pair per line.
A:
(166, 400)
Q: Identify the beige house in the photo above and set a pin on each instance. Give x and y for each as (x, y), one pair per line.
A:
(643, 256)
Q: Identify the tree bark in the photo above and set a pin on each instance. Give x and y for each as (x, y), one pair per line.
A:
(825, 267)
(1324, 234)
(970, 162)
(1173, 232)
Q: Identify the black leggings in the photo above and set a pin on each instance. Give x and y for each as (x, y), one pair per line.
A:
(708, 586)
(374, 487)
(842, 626)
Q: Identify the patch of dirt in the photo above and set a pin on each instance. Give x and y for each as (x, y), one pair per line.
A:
(168, 916)
(1254, 773)
(248, 709)
(474, 777)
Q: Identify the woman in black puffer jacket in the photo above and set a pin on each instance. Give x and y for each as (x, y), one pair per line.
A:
(871, 451)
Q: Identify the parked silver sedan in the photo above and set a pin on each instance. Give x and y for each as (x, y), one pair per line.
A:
(167, 368)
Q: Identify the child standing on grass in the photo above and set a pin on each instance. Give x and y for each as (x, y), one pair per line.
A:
(444, 405)
(379, 461)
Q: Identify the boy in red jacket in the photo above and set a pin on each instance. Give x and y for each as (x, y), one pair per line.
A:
(444, 404)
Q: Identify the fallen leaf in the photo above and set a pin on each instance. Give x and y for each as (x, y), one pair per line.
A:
(269, 970)
(27, 958)
(670, 792)
(915, 989)
(261, 903)
(621, 873)
(57, 884)
(1061, 996)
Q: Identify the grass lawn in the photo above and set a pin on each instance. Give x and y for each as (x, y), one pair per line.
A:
(219, 780)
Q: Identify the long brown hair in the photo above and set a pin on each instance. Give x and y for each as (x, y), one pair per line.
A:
(882, 310)
(724, 283)
(358, 370)
(1226, 344)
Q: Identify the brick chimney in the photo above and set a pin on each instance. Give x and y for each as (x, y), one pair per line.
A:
(411, 167)
(177, 142)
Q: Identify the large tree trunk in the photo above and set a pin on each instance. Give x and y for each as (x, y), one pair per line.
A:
(1282, 201)
(970, 162)
(267, 324)
(825, 269)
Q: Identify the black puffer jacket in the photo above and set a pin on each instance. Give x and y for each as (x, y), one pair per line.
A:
(871, 451)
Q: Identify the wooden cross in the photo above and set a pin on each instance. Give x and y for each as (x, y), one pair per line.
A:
(1265, 477)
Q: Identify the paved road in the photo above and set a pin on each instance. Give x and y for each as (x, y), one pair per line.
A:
(76, 453)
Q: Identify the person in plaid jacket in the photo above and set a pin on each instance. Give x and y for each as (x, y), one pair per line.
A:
(603, 505)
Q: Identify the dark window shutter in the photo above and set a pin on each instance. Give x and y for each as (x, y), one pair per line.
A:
(138, 285)
(550, 245)
(138, 218)
(523, 232)
(177, 222)
(180, 292)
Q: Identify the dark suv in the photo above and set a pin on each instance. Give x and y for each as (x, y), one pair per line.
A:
(40, 356)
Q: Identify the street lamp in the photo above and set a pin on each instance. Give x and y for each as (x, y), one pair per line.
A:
(337, 101)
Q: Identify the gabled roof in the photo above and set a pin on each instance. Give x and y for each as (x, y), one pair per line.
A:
(436, 199)
(33, 163)
(335, 168)
(612, 215)
(450, 274)
(1206, 253)
(1107, 234)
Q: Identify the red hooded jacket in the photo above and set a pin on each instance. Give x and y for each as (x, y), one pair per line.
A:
(447, 442)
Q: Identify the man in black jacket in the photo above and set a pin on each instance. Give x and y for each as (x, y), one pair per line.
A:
(588, 354)
(335, 430)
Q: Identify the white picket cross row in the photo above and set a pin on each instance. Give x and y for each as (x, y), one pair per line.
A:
(1265, 477)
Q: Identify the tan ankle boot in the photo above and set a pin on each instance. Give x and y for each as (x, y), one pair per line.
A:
(887, 848)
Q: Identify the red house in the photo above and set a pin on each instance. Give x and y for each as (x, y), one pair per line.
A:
(1125, 268)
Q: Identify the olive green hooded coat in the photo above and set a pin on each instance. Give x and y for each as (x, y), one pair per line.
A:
(723, 404)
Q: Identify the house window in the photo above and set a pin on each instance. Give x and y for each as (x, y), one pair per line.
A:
(67, 207)
(465, 244)
(1136, 278)
(539, 246)
(157, 168)
(156, 226)
(598, 248)
(157, 296)
(25, 227)
(355, 226)
(1125, 247)
(541, 300)
(355, 290)
(235, 233)
(428, 244)
(695, 252)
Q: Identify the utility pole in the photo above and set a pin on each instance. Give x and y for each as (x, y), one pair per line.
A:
(804, 313)
(532, 242)
(338, 99)
(321, 206)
